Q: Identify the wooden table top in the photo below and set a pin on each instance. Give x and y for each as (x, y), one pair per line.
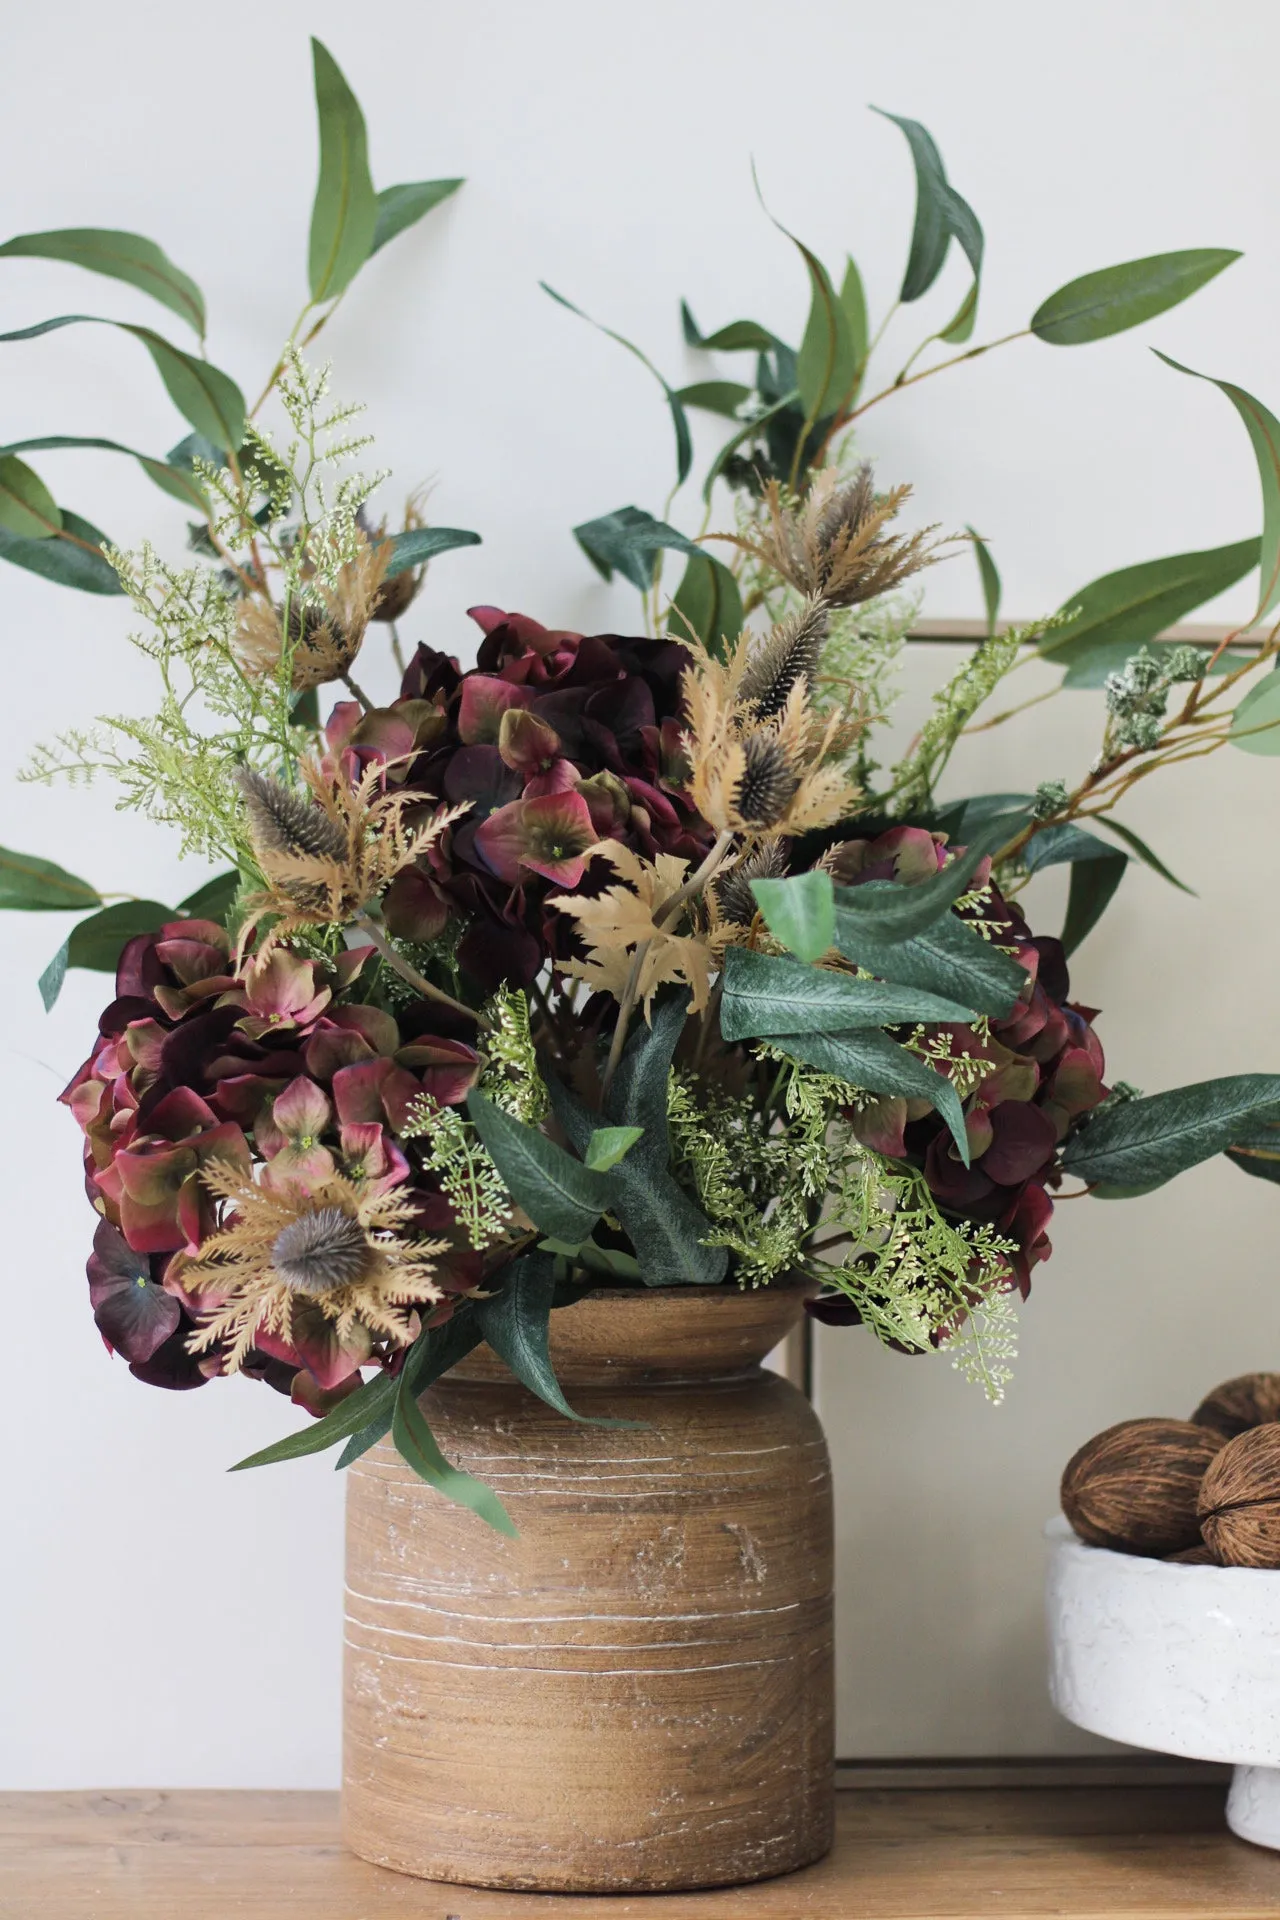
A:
(1094, 1852)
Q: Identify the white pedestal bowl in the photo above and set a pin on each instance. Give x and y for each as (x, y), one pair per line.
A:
(1181, 1659)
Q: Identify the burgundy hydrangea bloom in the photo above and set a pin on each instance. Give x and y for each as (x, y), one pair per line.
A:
(556, 741)
(1046, 1068)
(194, 1065)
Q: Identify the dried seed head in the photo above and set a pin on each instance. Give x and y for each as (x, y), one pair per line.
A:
(1134, 1487)
(320, 1251)
(733, 896)
(768, 782)
(789, 654)
(284, 822)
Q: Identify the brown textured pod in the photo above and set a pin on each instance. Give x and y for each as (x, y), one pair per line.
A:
(1240, 1500)
(1202, 1555)
(636, 1693)
(1134, 1487)
(1250, 1400)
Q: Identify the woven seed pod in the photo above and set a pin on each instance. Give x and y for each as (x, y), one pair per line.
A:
(1133, 1488)
(1250, 1400)
(1240, 1499)
(1198, 1556)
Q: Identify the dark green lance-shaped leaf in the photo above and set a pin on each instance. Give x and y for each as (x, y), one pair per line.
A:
(1063, 844)
(889, 912)
(740, 336)
(1144, 852)
(38, 886)
(959, 819)
(1116, 298)
(344, 216)
(432, 1355)
(1263, 430)
(71, 558)
(877, 1064)
(1139, 1142)
(174, 480)
(854, 302)
(212, 901)
(121, 256)
(350, 1416)
(765, 995)
(97, 943)
(941, 216)
(989, 577)
(827, 363)
(948, 959)
(707, 604)
(516, 1323)
(27, 508)
(610, 1145)
(403, 206)
(1119, 612)
(561, 1196)
(748, 431)
(1256, 1150)
(416, 1445)
(210, 400)
(417, 545)
(715, 396)
(679, 419)
(800, 911)
(1255, 724)
(627, 541)
(1093, 882)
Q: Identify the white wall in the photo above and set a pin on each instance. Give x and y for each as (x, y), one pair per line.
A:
(164, 1624)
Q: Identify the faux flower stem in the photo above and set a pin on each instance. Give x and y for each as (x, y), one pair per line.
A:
(359, 692)
(409, 972)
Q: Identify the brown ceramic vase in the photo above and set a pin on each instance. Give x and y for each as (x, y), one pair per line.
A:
(636, 1693)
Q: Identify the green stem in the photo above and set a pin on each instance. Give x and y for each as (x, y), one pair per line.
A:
(409, 972)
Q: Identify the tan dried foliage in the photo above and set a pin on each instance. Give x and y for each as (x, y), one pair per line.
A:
(832, 544)
(619, 922)
(328, 630)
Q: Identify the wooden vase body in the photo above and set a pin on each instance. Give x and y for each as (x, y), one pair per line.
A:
(636, 1693)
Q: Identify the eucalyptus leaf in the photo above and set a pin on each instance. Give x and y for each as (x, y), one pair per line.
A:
(1062, 843)
(32, 885)
(1093, 882)
(889, 912)
(627, 541)
(949, 959)
(1137, 1142)
(715, 396)
(71, 558)
(516, 1321)
(706, 604)
(990, 578)
(941, 216)
(434, 1353)
(800, 911)
(175, 480)
(97, 943)
(1144, 852)
(416, 545)
(403, 206)
(121, 256)
(416, 1445)
(1256, 1150)
(827, 363)
(1116, 298)
(212, 901)
(350, 1416)
(764, 995)
(679, 419)
(561, 1196)
(209, 399)
(740, 336)
(748, 431)
(1263, 430)
(1255, 724)
(877, 1064)
(344, 215)
(27, 508)
(854, 302)
(1122, 611)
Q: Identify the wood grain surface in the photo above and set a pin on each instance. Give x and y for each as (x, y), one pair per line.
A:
(1082, 1853)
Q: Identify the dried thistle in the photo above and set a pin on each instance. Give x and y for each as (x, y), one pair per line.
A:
(792, 652)
(341, 1251)
(832, 545)
(730, 893)
(324, 862)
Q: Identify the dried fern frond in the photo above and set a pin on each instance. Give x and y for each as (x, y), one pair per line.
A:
(622, 921)
(326, 628)
(832, 545)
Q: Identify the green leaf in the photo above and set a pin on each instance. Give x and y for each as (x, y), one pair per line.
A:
(989, 577)
(1139, 1142)
(1061, 844)
(121, 256)
(941, 216)
(627, 541)
(27, 507)
(350, 1416)
(1263, 430)
(715, 396)
(417, 1447)
(174, 480)
(67, 558)
(827, 363)
(765, 996)
(1255, 724)
(561, 1196)
(1119, 612)
(740, 336)
(949, 959)
(854, 303)
(38, 886)
(1093, 882)
(609, 1145)
(432, 1355)
(888, 912)
(874, 1062)
(747, 431)
(97, 943)
(403, 206)
(210, 400)
(800, 911)
(516, 1324)
(706, 603)
(1256, 1150)
(1144, 853)
(684, 440)
(344, 217)
(212, 901)
(417, 545)
(1116, 298)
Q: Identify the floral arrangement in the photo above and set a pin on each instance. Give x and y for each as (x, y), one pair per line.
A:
(610, 960)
